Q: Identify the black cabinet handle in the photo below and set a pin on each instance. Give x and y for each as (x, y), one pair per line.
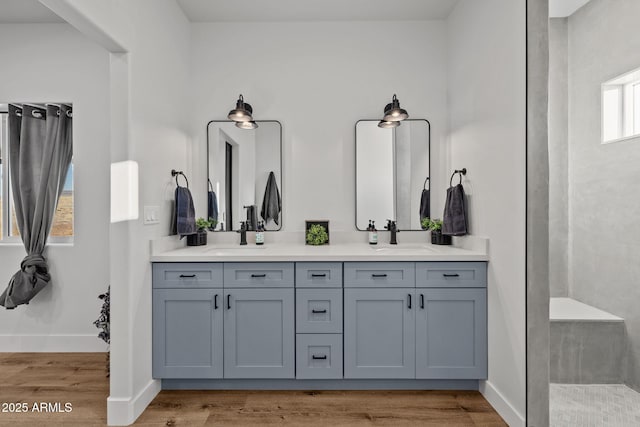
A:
(451, 275)
(259, 275)
(184, 276)
(409, 301)
(323, 357)
(422, 301)
(319, 275)
(228, 301)
(319, 311)
(215, 302)
(379, 275)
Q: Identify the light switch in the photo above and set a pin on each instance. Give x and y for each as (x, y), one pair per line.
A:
(151, 215)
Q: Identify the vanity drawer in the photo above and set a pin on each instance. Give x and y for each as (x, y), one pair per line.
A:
(318, 275)
(187, 275)
(318, 356)
(451, 274)
(258, 275)
(319, 311)
(379, 274)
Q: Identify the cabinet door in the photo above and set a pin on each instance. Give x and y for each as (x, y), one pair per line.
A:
(187, 333)
(259, 334)
(451, 333)
(379, 333)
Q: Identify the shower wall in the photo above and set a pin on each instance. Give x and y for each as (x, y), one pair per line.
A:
(604, 179)
(558, 160)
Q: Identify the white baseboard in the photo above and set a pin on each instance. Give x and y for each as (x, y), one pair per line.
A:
(508, 413)
(124, 411)
(52, 344)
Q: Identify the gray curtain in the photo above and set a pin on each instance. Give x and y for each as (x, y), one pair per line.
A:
(40, 150)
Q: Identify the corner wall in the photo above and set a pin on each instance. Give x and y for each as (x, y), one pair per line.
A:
(55, 63)
(487, 99)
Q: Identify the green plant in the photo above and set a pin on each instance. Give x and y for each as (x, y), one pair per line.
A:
(317, 235)
(203, 224)
(432, 224)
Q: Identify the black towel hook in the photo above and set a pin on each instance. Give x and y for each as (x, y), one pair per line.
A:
(424, 186)
(176, 173)
(210, 184)
(460, 172)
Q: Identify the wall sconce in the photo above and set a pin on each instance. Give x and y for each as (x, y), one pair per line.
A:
(387, 124)
(393, 112)
(124, 191)
(242, 112)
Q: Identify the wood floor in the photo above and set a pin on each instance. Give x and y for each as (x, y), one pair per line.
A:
(79, 378)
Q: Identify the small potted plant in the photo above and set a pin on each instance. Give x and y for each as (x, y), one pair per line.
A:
(317, 235)
(200, 237)
(435, 226)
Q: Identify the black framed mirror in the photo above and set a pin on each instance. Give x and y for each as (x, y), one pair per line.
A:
(392, 173)
(244, 174)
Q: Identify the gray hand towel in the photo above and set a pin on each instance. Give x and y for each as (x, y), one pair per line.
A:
(425, 205)
(271, 203)
(454, 221)
(212, 205)
(185, 213)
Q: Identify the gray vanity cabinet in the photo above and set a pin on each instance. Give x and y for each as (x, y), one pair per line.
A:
(451, 333)
(187, 333)
(379, 333)
(259, 333)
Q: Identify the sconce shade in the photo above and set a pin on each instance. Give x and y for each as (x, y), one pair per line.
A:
(247, 125)
(388, 125)
(393, 112)
(242, 112)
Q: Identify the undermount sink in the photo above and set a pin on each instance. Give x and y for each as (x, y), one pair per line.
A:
(406, 246)
(234, 248)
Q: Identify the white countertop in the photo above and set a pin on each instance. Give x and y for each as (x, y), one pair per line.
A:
(333, 252)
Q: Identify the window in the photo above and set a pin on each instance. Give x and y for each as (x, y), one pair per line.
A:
(621, 107)
(62, 227)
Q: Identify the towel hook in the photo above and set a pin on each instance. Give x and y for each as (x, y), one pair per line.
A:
(424, 186)
(176, 173)
(460, 172)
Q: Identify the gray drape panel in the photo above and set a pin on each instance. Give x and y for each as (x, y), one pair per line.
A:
(40, 150)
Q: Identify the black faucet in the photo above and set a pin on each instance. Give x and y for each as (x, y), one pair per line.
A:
(391, 226)
(243, 233)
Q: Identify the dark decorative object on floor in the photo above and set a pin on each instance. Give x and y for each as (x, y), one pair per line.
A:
(104, 321)
(316, 233)
(435, 226)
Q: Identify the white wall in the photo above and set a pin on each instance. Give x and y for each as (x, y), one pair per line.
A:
(48, 63)
(149, 85)
(318, 79)
(487, 108)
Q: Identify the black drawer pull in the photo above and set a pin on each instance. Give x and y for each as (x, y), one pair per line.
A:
(323, 357)
(215, 302)
(422, 301)
(258, 275)
(319, 311)
(319, 275)
(451, 275)
(379, 275)
(229, 302)
(409, 302)
(184, 276)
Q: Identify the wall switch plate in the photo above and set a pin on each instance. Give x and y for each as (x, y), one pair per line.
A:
(151, 215)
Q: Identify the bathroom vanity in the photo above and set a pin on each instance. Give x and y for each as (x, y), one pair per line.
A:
(340, 316)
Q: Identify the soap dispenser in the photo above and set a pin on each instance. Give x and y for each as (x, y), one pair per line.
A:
(373, 233)
(260, 234)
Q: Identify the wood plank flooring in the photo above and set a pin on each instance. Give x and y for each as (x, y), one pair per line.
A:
(79, 378)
